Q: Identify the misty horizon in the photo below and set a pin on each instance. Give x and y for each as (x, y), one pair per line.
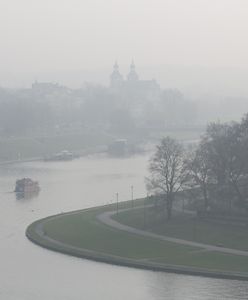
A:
(200, 83)
(198, 47)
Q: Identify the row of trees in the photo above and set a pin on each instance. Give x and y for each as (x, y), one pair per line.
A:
(215, 171)
(48, 106)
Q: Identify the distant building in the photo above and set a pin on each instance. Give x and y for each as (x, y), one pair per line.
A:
(133, 93)
(47, 88)
(133, 84)
(116, 78)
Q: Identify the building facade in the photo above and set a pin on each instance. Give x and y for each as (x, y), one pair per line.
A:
(132, 84)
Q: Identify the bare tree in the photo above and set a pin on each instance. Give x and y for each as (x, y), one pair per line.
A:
(199, 172)
(224, 147)
(167, 171)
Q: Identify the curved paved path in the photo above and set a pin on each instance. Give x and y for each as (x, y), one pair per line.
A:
(42, 239)
(107, 220)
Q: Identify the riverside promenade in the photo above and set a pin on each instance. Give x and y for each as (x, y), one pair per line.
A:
(106, 219)
(102, 219)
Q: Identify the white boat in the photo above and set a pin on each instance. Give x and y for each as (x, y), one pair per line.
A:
(62, 155)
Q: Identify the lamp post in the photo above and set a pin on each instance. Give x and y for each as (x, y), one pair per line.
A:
(117, 203)
(145, 209)
(132, 196)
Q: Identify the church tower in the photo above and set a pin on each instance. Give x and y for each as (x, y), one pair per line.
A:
(132, 75)
(116, 78)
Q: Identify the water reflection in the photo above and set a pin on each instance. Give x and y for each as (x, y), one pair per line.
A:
(26, 195)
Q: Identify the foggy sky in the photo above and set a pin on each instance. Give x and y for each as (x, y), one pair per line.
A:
(54, 35)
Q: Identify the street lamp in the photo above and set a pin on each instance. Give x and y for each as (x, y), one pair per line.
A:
(145, 209)
(117, 203)
(132, 196)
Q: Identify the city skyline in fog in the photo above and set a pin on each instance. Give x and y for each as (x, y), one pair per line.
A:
(40, 38)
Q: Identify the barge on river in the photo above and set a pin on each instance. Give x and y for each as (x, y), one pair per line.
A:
(26, 185)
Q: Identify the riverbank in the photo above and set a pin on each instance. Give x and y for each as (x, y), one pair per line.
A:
(33, 147)
(82, 234)
(16, 149)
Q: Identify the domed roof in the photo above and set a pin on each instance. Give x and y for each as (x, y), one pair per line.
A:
(116, 76)
(132, 75)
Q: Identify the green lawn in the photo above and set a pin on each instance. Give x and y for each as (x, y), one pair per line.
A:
(83, 230)
(187, 227)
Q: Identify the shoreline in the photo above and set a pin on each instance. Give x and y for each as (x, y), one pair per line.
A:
(35, 233)
(18, 161)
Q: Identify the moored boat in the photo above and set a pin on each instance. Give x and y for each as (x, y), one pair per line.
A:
(26, 185)
(61, 156)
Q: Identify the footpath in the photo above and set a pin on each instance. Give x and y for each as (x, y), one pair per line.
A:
(36, 233)
(107, 220)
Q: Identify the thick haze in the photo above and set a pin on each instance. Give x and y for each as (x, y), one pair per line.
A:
(56, 36)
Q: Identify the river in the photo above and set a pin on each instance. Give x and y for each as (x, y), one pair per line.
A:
(29, 272)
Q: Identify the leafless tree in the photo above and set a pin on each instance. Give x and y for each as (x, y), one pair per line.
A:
(199, 172)
(167, 171)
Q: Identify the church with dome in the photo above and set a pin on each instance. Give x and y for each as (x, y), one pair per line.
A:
(132, 84)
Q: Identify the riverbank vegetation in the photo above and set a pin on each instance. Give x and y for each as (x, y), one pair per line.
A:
(214, 173)
(48, 117)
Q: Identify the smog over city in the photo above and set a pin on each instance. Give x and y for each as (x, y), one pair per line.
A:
(123, 149)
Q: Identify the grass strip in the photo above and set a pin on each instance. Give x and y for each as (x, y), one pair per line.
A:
(81, 234)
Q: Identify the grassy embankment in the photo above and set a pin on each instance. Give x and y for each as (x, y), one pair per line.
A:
(81, 234)
(188, 227)
(23, 148)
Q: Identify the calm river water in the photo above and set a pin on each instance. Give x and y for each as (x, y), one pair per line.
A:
(29, 272)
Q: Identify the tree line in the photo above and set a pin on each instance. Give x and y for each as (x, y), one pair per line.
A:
(48, 107)
(215, 172)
